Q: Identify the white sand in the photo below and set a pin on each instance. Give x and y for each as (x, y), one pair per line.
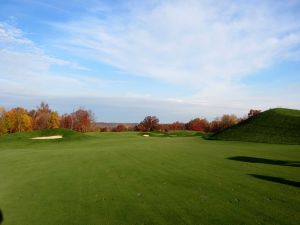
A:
(146, 135)
(48, 137)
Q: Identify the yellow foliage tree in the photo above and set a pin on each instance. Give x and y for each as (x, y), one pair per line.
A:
(17, 120)
(54, 120)
(3, 126)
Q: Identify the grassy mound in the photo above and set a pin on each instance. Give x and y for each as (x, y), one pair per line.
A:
(66, 133)
(277, 125)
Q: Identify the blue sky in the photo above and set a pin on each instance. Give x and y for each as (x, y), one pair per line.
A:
(127, 59)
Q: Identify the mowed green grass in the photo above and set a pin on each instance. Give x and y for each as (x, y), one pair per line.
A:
(125, 178)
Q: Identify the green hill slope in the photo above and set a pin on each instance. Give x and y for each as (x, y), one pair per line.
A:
(277, 125)
(26, 136)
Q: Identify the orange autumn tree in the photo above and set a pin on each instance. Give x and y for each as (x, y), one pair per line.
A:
(177, 126)
(66, 121)
(198, 124)
(229, 120)
(224, 122)
(215, 125)
(41, 116)
(44, 117)
(120, 128)
(81, 120)
(3, 126)
(18, 119)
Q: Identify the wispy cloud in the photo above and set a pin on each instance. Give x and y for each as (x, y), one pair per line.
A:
(196, 54)
(10, 35)
(25, 67)
(189, 42)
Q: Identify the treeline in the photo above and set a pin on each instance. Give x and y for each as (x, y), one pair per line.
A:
(151, 123)
(19, 119)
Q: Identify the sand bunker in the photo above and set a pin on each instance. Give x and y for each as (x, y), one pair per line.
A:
(146, 135)
(48, 137)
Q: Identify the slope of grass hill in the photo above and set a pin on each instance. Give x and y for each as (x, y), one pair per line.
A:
(277, 125)
(26, 136)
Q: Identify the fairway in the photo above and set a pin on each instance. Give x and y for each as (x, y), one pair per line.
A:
(126, 179)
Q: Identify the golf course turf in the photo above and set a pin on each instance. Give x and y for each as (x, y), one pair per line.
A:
(126, 178)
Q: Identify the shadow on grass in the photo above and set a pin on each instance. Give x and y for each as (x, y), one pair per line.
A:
(1, 217)
(265, 161)
(276, 180)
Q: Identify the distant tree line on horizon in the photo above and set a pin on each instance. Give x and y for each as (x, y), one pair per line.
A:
(19, 119)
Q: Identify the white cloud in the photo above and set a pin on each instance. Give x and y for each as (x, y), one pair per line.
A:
(25, 67)
(19, 55)
(189, 42)
(206, 47)
(209, 46)
(12, 35)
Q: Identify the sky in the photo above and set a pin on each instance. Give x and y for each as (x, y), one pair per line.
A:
(124, 60)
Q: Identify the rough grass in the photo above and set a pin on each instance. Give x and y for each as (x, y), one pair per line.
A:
(279, 125)
(124, 178)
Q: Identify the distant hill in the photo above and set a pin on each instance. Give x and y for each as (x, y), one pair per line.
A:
(277, 125)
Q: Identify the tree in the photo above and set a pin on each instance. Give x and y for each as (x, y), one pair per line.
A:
(150, 123)
(120, 128)
(44, 118)
(17, 120)
(253, 112)
(3, 125)
(177, 126)
(139, 127)
(215, 125)
(104, 129)
(198, 124)
(66, 121)
(228, 120)
(224, 122)
(82, 120)
(54, 120)
(164, 127)
(41, 116)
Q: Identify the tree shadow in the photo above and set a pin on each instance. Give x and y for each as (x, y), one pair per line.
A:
(265, 161)
(1, 217)
(276, 180)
